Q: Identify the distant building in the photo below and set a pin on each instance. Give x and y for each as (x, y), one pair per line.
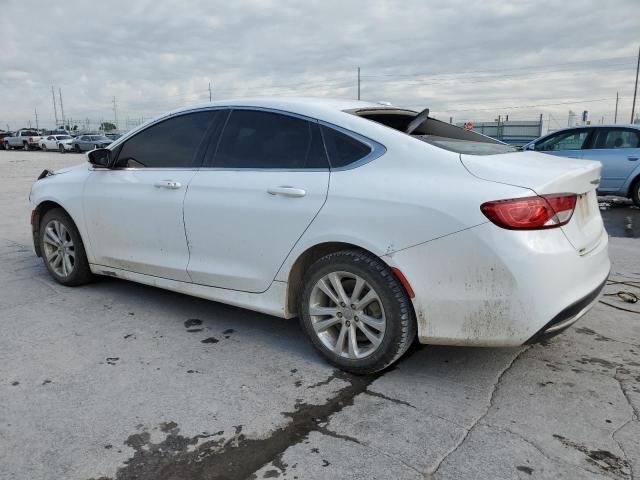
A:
(515, 132)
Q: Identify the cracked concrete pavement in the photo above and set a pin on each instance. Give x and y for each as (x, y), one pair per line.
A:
(116, 380)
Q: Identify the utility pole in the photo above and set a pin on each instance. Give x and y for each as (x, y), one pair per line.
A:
(37, 125)
(210, 94)
(55, 109)
(359, 83)
(635, 90)
(615, 115)
(115, 112)
(62, 108)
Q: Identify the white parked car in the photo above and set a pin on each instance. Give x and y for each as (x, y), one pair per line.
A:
(372, 224)
(55, 142)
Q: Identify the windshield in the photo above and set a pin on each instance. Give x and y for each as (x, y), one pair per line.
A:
(30, 132)
(466, 147)
(98, 137)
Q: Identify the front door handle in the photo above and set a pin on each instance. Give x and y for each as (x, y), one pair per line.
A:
(287, 191)
(632, 159)
(170, 184)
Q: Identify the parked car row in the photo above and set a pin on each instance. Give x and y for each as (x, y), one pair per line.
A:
(31, 140)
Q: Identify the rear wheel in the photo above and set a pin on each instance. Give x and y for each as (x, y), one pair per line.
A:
(77, 148)
(62, 249)
(356, 312)
(25, 146)
(635, 192)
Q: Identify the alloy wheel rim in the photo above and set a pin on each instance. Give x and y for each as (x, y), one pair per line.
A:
(59, 250)
(347, 315)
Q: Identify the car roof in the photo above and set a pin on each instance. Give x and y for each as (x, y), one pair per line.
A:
(307, 106)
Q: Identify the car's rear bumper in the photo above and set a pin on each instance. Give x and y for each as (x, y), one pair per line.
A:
(487, 286)
(568, 316)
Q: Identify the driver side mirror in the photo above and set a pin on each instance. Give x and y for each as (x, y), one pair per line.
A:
(100, 157)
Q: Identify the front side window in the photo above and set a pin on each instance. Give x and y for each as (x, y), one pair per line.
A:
(172, 143)
(617, 138)
(257, 139)
(343, 149)
(572, 140)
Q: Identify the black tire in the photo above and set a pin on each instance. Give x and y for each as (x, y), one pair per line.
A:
(25, 146)
(80, 273)
(43, 147)
(635, 192)
(77, 148)
(61, 148)
(400, 330)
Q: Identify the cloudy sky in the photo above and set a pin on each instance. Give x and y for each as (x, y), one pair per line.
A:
(470, 59)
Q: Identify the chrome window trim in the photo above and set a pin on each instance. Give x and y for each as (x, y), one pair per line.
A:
(377, 149)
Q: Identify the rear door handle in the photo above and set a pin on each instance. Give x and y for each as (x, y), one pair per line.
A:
(287, 191)
(170, 184)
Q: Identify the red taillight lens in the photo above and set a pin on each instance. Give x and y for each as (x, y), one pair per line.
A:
(531, 213)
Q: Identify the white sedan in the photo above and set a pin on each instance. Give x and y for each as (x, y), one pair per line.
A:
(55, 142)
(373, 224)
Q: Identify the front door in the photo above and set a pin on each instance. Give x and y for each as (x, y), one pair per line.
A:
(249, 205)
(134, 211)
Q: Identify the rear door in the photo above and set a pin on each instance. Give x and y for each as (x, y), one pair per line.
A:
(568, 143)
(134, 211)
(264, 182)
(618, 149)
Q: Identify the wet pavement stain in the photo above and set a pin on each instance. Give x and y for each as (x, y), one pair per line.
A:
(527, 470)
(235, 458)
(192, 322)
(621, 218)
(602, 459)
(210, 340)
(112, 360)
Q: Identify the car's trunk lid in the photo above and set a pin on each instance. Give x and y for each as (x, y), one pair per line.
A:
(545, 174)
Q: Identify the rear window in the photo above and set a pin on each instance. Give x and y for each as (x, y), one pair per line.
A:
(466, 147)
(440, 134)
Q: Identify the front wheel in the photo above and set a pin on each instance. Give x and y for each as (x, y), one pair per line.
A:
(43, 147)
(635, 192)
(61, 148)
(62, 249)
(356, 312)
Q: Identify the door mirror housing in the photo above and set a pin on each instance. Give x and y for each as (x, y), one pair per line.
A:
(100, 157)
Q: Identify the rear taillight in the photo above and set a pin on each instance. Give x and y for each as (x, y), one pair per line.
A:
(531, 213)
(30, 140)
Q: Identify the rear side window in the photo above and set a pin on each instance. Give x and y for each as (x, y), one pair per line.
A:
(343, 150)
(256, 139)
(617, 138)
(172, 143)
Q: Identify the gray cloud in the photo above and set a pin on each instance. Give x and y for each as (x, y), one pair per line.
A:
(465, 58)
